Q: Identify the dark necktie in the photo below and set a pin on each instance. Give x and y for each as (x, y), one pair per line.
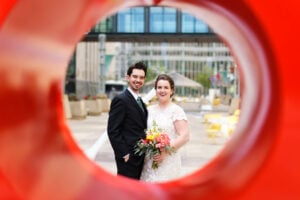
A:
(139, 101)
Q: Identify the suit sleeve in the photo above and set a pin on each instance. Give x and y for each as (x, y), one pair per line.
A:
(114, 128)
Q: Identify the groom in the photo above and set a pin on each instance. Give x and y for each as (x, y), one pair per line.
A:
(127, 123)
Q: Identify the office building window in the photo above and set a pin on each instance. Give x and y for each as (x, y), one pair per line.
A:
(162, 20)
(190, 24)
(131, 20)
(105, 26)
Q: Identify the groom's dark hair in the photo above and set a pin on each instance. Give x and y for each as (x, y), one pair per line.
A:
(138, 65)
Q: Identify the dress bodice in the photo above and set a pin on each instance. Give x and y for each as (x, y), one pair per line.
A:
(165, 118)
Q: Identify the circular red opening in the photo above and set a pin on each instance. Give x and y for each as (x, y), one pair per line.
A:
(25, 37)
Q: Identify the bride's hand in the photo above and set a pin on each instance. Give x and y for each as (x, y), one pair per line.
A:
(160, 157)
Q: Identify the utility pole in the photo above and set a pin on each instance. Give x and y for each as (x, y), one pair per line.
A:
(102, 40)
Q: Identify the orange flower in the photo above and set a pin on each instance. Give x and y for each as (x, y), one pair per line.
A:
(156, 141)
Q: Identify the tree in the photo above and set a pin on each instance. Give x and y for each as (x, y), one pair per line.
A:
(203, 78)
(153, 72)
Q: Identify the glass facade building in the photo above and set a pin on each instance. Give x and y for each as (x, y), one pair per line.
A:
(151, 20)
(162, 20)
(190, 24)
(190, 51)
(131, 20)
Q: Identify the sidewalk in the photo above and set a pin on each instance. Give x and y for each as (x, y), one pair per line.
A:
(90, 133)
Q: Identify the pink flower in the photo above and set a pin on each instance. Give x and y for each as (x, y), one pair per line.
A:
(156, 141)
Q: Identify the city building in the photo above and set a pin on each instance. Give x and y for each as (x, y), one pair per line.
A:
(167, 39)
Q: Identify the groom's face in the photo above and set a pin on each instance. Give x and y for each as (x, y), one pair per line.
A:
(136, 80)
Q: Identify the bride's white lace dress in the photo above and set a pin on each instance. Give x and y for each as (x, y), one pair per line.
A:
(170, 167)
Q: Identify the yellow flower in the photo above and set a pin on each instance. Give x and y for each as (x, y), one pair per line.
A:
(156, 134)
(150, 137)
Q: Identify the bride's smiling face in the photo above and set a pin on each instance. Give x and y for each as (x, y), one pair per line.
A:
(164, 91)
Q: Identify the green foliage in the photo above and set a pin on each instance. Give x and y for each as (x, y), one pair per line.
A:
(101, 96)
(203, 78)
(153, 72)
(73, 97)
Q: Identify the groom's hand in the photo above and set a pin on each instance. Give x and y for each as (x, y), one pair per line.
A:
(126, 157)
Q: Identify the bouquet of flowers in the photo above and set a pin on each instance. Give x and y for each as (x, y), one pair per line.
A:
(156, 142)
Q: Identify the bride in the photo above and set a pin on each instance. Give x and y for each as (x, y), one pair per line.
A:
(172, 119)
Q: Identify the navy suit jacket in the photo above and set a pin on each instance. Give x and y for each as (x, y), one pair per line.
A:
(126, 124)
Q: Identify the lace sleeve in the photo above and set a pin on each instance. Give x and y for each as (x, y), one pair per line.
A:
(178, 114)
